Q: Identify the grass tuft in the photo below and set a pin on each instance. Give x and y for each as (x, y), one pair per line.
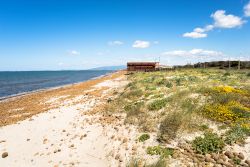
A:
(144, 137)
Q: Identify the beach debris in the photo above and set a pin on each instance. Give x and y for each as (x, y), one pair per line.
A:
(247, 162)
(57, 150)
(45, 141)
(125, 140)
(117, 157)
(5, 154)
(229, 154)
(241, 156)
(82, 136)
(2, 141)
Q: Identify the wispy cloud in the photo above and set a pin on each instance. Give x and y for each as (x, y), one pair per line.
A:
(247, 10)
(141, 44)
(220, 20)
(194, 53)
(194, 35)
(199, 32)
(113, 43)
(73, 52)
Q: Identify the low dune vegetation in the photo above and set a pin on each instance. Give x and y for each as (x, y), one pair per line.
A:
(205, 111)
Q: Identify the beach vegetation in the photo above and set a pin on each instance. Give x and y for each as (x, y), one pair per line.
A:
(144, 137)
(237, 134)
(210, 143)
(157, 104)
(169, 126)
(159, 150)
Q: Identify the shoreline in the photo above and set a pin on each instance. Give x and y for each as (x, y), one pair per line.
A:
(5, 98)
(24, 106)
(67, 132)
(92, 124)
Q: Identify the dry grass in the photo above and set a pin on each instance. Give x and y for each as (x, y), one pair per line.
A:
(175, 99)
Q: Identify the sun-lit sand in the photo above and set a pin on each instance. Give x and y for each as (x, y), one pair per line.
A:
(67, 134)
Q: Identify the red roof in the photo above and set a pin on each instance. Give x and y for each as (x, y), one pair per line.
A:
(142, 63)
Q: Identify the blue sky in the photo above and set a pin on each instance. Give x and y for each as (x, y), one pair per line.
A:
(55, 35)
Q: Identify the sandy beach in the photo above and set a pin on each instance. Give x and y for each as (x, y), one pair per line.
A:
(93, 124)
(60, 127)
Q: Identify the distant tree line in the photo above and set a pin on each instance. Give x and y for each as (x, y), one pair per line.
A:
(219, 64)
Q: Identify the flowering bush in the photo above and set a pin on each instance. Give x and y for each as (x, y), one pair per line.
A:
(228, 104)
(228, 89)
(232, 111)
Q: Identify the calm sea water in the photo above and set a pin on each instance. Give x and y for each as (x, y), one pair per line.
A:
(12, 83)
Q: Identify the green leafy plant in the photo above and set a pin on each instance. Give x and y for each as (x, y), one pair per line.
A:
(236, 134)
(144, 137)
(227, 74)
(236, 161)
(157, 104)
(210, 143)
(169, 85)
(178, 81)
(158, 150)
(204, 127)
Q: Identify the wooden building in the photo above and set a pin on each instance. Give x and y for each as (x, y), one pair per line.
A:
(142, 66)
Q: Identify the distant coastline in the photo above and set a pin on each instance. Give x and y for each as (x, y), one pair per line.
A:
(4, 98)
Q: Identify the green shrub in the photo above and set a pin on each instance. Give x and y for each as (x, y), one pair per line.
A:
(133, 93)
(222, 127)
(161, 81)
(150, 88)
(144, 137)
(210, 143)
(160, 95)
(227, 74)
(169, 126)
(241, 112)
(157, 104)
(178, 81)
(192, 78)
(236, 134)
(204, 127)
(188, 105)
(133, 109)
(236, 161)
(169, 85)
(248, 74)
(160, 163)
(158, 150)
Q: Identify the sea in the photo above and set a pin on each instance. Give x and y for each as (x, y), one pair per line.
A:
(21, 82)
